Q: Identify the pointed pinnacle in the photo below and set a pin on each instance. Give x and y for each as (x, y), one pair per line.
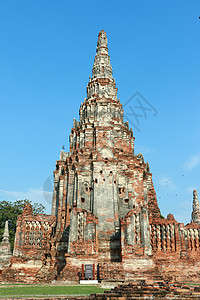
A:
(195, 197)
(102, 42)
(196, 209)
(195, 200)
(6, 231)
(102, 34)
(102, 67)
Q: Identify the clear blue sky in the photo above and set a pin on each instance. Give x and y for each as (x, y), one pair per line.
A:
(47, 50)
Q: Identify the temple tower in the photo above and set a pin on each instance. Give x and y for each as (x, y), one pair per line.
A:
(196, 209)
(5, 252)
(103, 193)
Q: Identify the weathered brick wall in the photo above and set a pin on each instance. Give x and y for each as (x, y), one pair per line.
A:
(83, 235)
(32, 237)
(32, 233)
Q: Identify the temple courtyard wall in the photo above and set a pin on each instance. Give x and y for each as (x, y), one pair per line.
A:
(175, 257)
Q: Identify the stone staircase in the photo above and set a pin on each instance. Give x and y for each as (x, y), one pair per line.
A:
(138, 291)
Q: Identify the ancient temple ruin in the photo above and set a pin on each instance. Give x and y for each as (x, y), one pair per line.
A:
(104, 207)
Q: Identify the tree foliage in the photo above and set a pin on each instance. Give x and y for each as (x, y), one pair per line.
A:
(10, 211)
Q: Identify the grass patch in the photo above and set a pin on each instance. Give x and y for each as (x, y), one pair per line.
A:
(49, 290)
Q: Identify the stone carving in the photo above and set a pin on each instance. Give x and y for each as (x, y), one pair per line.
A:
(140, 156)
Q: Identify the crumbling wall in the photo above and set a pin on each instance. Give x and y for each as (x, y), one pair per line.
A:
(33, 233)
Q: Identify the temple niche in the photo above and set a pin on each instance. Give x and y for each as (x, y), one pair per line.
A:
(104, 207)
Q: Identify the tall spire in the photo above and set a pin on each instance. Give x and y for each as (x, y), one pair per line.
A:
(101, 108)
(196, 209)
(102, 83)
(6, 231)
(102, 66)
(5, 252)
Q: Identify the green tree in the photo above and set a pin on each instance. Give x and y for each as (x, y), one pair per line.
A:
(10, 211)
